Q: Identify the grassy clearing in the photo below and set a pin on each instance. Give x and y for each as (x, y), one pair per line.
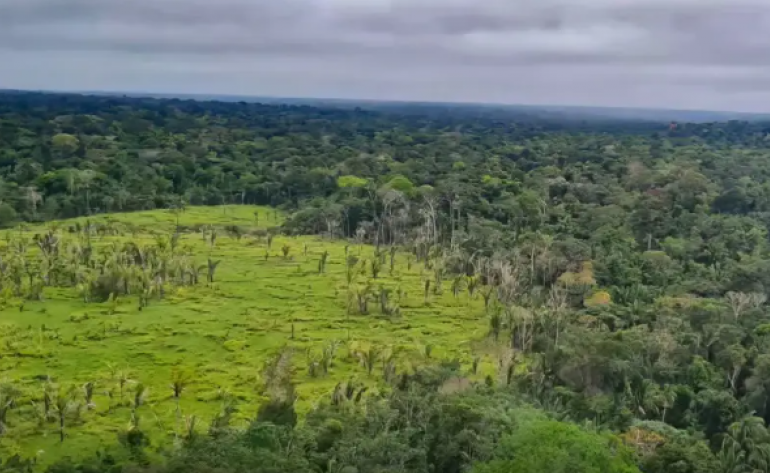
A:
(219, 334)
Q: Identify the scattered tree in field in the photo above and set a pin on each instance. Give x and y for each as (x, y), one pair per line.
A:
(212, 268)
(349, 392)
(368, 357)
(139, 395)
(8, 395)
(180, 379)
(235, 232)
(190, 424)
(495, 324)
(63, 406)
(386, 306)
(122, 378)
(376, 267)
(487, 293)
(221, 421)
(458, 284)
(363, 294)
(88, 395)
(322, 262)
(352, 268)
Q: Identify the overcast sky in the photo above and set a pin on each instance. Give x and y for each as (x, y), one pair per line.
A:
(696, 54)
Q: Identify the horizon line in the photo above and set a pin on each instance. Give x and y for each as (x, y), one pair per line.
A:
(212, 97)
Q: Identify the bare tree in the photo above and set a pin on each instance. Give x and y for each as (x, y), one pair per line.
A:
(429, 214)
(33, 197)
(741, 302)
(556, 305)
(390, 199)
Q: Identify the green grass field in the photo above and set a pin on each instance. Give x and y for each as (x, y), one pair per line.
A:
(220, 333)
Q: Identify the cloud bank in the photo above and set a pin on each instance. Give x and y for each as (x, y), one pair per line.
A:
(703, 54)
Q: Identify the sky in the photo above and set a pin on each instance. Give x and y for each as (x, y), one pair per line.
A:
(687, 54)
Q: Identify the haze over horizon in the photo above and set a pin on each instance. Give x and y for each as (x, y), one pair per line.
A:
(659, 112)
(674, 54)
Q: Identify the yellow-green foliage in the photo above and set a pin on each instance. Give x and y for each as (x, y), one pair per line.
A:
(220, 335)
(583, 278)
(598, 298)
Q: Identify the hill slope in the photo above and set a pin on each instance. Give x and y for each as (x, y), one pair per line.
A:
(216, 336)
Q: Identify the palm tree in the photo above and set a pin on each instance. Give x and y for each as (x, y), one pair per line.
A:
(486, 293)
(322, 262)
(222, 419)
(123, 378)
(212, 268)
(457, 285)
(63, 405)
(352, 268)
(8, 395)
(190, 423)
(369, 357)
(362, 296)
(85, 177)
(472, 283)
(495, 324)
(88, 394)
(758, 387)
(140, 394)
(746, 446)
(661, 399)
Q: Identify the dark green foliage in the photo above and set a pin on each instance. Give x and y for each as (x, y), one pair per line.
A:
(419, 428)
(278, 412)
(264, 447)
(681, 455)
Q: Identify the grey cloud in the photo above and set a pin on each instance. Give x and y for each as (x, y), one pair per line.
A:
(601, 51)
(159, 13)
(598, 31)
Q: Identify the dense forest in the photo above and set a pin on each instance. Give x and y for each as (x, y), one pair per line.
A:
(624, 265)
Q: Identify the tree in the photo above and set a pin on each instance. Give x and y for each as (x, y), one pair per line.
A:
(63, 405)
(351, 182)
(65, 144)
(739, 302)
(746, 447)
(401, 184)
(180, 379)
(211, 269)
(8, 215)
(8, 395)
(545, 446)
(758, 387)
(33, 198)
(681, 454)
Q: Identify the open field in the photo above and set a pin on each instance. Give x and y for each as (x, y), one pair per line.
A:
(219, 334)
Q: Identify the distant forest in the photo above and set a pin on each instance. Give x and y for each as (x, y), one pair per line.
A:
(69, 155)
